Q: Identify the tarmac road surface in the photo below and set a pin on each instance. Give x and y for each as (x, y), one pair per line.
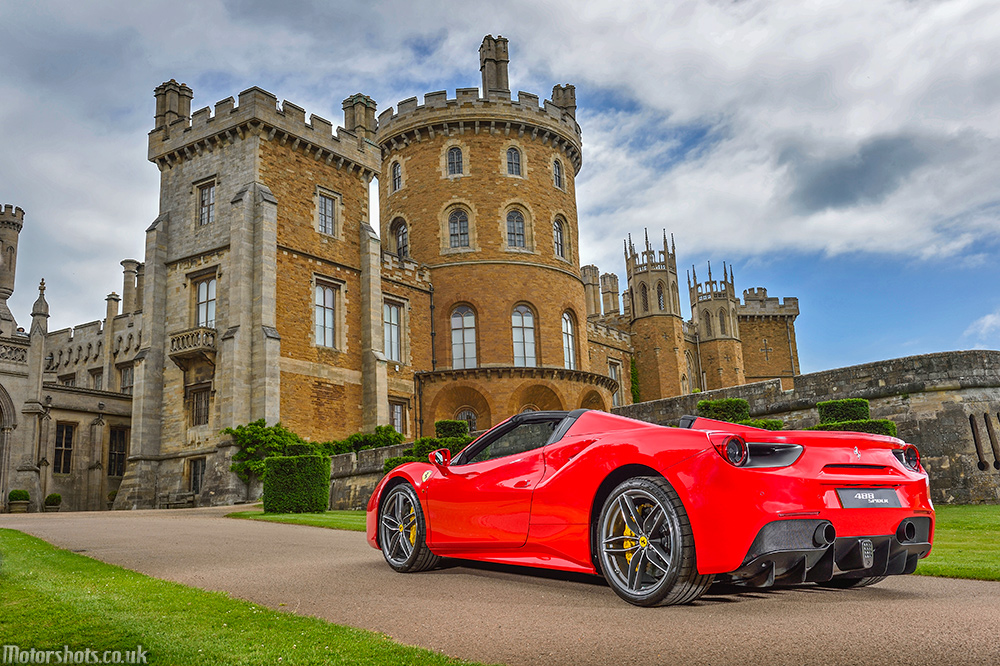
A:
(517, 616)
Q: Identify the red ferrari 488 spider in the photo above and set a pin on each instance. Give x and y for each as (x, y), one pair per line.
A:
(662, 512)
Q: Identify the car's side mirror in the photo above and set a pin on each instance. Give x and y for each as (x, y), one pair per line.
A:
(440, 458)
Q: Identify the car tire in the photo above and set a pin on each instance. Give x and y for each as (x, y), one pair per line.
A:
(644, 518)
(843, 583)
(402, 531)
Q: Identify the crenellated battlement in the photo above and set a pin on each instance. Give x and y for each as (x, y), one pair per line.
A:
(405, 271)
(599, 332)
(724, 289)
(496, 113)
(756, 303)
(257, 113)
(12, 216)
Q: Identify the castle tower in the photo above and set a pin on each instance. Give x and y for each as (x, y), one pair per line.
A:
(11, 221)
(609, 294)
(592, 289)
(767, 330)
(481, 189)
(714, 312)
(653, 304)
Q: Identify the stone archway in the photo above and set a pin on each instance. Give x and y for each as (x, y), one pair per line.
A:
(593, 400)
(8, 421)
(538, 396)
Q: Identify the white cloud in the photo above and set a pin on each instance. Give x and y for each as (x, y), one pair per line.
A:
(985, 330)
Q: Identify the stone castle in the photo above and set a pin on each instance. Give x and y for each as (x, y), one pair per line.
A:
(265, 293)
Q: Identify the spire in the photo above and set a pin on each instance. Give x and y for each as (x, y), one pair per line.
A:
(41, 307)
(666, 249)
(725, 274)
(648, 248)
(673, 248)
(710, 271)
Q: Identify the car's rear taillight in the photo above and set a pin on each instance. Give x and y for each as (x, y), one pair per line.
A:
(909, 456)
(733, 449)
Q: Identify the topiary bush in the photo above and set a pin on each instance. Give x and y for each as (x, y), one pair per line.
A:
(733, 410)
(53, 499)
(764, 424)
(423, 447)
(873, 426)
(451, 428)
(296, 484)
(384, 435)
(836, 411)
(257, 441)
(18, 496)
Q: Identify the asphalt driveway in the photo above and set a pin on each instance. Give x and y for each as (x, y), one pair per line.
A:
(519, 616)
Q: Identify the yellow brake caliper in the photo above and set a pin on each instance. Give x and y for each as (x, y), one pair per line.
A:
(628, 543)
(413, 529)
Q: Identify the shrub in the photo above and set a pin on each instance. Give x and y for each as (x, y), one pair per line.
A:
(53, 499)
(112, 495)
(835, 411)
(444, 429)
(18, 496)
(257, 441)
(304, 449)
(733, 410)
(765, 424)
(873, 426)
(384, 435)
(296, 484)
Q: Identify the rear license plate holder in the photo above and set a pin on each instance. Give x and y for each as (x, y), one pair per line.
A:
(868, 498)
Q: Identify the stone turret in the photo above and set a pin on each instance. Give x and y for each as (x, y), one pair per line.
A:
(173, 103)
(11, 221)
(591, 287)
(493, 61)
(714, 307)
(359, 115)
(609, 294)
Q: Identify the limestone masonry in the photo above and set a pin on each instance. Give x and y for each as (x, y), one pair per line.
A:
(265, 293)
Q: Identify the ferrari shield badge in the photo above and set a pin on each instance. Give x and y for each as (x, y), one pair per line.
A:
(427, 475)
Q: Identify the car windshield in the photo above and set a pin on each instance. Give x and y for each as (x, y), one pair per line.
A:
(524, 437)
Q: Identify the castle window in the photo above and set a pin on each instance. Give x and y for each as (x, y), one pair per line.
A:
(205, 305)
(513, 162)
(325, 312)
(569, 341)
(722, 322)
(199, 405)
(397, 176)
(391, 317)
(458, 228)
(463, 338)
(469, 416)
(557, 234)
(706, 319)
(63, 458)
(197, 474)
(126, 379)
(68, 380)
(644, 297)
(615, 372)
(523, 326)
(454, 161)
(557, 174)
(206, 203)
(397, 416)
(117, 451)
(326, 214)
(661, 300)
(515, 229)
(97, 380)
(402, 237)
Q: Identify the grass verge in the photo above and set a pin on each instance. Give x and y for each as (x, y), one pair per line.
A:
(966, 543)
(334, 520)
(52, 597)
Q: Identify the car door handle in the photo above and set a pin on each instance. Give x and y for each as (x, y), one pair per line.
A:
(523, 483)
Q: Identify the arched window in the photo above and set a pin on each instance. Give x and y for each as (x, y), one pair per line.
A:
(557, 234)
(706, 320)
(722, 322)
(644, 297)
(466, 414)
(458, 228)
(463, 338)
(513, 162)
(454, 161)
(523, 327)
(557, 176)
(397, 176)
(402, 238)
(569, 341)
(661, 300)
(515, 229)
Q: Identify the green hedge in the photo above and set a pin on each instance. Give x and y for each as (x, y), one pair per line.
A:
(384, 435)
(18, 496)
(296, 484)
(764, 424)
(837, 411)
(449, 428)
(423, 447)
(53, 499)
(873, 426)
(733, 410)
(257, 441)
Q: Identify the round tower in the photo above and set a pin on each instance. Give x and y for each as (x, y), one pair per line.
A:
(482, 190)
(714, 307)
(11, 221)
(654, 307)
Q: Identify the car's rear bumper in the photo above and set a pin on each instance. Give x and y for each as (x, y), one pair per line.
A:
(795, 551)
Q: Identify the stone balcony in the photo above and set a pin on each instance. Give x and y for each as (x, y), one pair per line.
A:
(192, 345)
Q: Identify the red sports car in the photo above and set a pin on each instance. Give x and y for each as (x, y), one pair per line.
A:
(662, 512)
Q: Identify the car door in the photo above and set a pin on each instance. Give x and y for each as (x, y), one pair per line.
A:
(483, 500)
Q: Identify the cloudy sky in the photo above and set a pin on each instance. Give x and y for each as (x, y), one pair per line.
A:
(844, 152)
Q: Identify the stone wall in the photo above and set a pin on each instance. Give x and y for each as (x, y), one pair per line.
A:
(930, 398)
(353, 476)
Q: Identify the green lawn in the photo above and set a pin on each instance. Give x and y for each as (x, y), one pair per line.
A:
(966, 543)
(52, 597)
(334, 520)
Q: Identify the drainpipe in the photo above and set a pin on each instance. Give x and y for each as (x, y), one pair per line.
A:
(433, 333)
(418, 389)
(701, 373)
